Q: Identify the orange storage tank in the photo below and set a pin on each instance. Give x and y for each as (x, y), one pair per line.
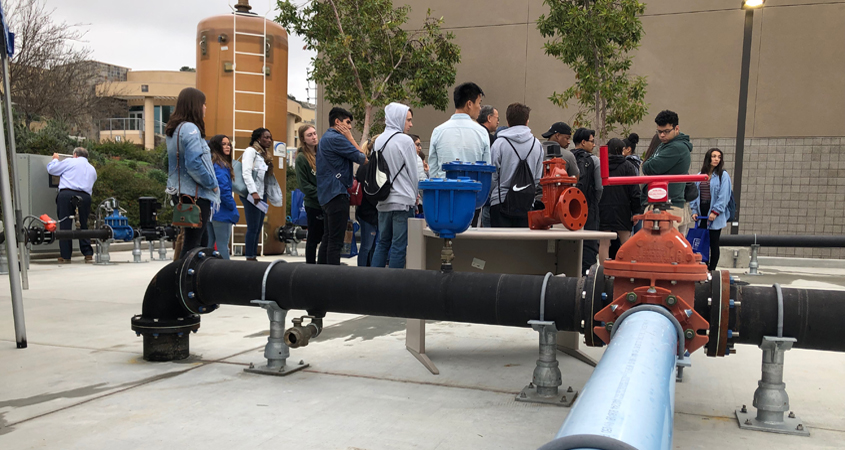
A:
(242, 67)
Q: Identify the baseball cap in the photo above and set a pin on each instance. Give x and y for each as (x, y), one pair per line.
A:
(558, 127)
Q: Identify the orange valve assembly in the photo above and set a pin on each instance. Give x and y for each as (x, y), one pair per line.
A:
(564, 203)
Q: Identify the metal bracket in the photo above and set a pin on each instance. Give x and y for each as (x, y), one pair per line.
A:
(770, 398)
(275, 351)
(547, 378)
(136, 251)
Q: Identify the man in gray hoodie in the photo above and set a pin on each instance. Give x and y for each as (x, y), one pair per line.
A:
(514, 144)
(400, 153)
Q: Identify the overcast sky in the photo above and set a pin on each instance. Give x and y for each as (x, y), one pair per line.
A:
(161, 34)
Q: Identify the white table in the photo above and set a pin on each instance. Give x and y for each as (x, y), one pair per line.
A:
(498, 250)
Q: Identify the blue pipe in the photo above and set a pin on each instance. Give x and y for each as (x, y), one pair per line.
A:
(629, 401)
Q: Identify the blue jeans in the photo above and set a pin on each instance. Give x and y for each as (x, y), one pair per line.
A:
(393, 238)
(219, 233)
(254, 222)
(369, 234)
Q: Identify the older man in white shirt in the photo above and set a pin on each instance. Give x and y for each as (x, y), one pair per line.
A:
(77, 181)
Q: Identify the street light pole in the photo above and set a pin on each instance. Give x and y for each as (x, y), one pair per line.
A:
(743, 108)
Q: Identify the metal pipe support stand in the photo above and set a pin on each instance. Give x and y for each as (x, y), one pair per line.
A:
(770, 398)
(101, 256)
(162, 251)
(753, 265)
(275, 351)
(136, 251)
(547, 379)
(291, 248)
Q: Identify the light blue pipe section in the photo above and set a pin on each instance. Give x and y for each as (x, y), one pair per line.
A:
(631, 395)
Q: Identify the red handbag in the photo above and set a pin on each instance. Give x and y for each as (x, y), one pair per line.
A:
(356, 194)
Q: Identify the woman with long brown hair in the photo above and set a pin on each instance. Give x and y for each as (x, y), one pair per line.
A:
(306, 177)
(191, 173)
(220, 227)
(711, 205)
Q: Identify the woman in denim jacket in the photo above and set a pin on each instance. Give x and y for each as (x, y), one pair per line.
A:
(196, 173)
(711, 206)
(220, 227)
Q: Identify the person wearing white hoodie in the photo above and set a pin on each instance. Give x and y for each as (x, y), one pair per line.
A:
(513, 144)
(400, 153)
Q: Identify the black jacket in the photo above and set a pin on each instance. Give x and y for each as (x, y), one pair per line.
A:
(619, 203)
(367, 212)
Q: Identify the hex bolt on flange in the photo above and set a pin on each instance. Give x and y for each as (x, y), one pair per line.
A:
(770, 398)
(544, 386)
(275, 351)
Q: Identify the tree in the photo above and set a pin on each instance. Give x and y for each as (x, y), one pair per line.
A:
(593, 38)
(365, 58)
(187, 69)
(50, 74)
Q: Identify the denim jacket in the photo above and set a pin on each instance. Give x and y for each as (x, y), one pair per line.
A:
(720, 195)
(196, 170)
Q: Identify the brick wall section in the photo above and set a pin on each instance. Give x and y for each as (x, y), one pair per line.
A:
(789, 186)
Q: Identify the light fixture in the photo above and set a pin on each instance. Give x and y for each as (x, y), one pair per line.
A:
(752, 4)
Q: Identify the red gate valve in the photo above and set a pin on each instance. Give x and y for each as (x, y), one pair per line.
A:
(564, 203)
(691, 322)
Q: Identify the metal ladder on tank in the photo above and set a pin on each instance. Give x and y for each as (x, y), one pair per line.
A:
(235, 110)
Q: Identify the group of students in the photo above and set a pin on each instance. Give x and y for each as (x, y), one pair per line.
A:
(203, 173)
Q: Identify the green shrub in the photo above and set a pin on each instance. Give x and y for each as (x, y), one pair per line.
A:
(120, 180)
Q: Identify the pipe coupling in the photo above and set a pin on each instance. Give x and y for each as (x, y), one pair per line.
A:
(299, 335)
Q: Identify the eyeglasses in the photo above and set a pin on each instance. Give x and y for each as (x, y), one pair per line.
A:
(662, 132)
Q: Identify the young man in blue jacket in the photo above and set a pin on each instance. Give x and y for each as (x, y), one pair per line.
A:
(336, 153)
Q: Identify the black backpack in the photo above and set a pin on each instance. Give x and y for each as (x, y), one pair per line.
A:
(520, 197)
(586, 179)
(377, 181)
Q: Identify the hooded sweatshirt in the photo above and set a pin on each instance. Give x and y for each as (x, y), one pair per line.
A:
(506, 160)
(399, 151)
(671, 158)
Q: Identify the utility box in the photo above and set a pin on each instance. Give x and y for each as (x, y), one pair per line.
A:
(38, 193)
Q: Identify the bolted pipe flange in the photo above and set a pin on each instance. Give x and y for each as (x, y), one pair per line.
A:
(188, 288)
(165, 339)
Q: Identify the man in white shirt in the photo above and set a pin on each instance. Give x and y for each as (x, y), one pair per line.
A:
(460, 138)
(77, 181)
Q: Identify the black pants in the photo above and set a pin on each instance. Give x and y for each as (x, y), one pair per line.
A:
(590, 253)
(64, 209)
(316, 226)
(336, 216)
(196, 237)
(715, 252)
(500, 220)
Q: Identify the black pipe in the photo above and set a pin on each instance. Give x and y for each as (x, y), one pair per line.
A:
(813, 317)
(800, 241)
(493, 299)
(198, 283)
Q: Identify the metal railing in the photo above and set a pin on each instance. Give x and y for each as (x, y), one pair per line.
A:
(120, 125)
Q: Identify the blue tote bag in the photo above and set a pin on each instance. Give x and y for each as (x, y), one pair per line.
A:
(699, 239)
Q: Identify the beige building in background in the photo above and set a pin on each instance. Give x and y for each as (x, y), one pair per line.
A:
(794, 165)
(151, 98)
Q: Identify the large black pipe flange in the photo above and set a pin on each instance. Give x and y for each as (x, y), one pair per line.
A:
(189, 282)
(166, 339)
(595, 290)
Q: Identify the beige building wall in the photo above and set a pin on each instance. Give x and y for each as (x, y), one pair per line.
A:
(150, 88)
(691, 56)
